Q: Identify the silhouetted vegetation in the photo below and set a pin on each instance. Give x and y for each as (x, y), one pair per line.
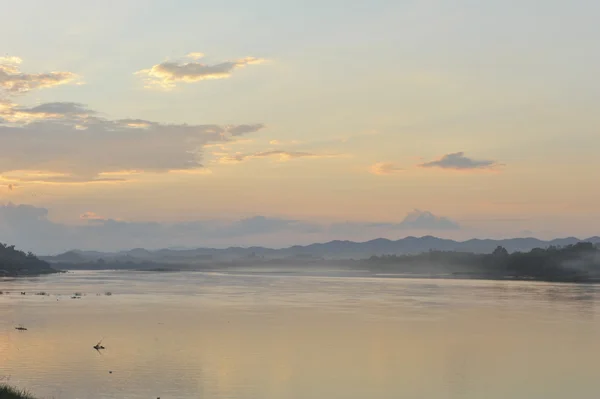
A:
(573, 263)
(577, 262)
(7, 392)
(14, 263)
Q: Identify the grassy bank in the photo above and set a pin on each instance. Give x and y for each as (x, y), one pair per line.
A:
(7, 392)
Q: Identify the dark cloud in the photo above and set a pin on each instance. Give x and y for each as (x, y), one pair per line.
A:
(459, 161)
(169, 73)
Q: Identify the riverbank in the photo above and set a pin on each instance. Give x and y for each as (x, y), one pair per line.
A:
(16, 263)
(7, 392)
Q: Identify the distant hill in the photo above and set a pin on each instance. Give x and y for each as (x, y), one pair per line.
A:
(15, 263)
(572, 263)
(333, 250)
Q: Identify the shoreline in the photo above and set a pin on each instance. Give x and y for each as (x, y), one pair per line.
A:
(9, 392)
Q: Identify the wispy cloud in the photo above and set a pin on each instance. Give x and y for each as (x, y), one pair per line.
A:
(13, 81)
(280, 155)
(458, 161)
(92, 216)
(385, 168)
(167, 74)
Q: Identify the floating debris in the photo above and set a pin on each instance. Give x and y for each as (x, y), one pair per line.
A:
(99, 346)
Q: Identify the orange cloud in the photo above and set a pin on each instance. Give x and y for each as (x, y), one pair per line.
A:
(91, 216)
(385, 168)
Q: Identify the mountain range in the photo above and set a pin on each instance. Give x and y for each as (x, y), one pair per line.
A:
(331, 250)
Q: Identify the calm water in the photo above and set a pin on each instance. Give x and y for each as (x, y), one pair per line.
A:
(280, 335)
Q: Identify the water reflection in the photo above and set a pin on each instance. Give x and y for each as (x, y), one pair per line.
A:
(266, 335)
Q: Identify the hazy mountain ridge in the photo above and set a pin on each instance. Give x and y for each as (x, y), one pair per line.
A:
(329, 250)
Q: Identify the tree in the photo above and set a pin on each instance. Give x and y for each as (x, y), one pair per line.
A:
(18, 263)
(500, 251)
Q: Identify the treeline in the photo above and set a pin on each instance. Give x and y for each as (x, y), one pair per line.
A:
(14, 263)
(573, 263)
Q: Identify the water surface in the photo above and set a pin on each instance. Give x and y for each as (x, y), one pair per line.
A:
(275, 335)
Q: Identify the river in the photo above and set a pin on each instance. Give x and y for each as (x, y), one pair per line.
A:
(269, 334)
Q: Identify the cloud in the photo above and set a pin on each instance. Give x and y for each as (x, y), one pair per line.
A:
(10, 60)
(67, 142)
(30, 228)
(243, 129)
(416, 220)
(13, 81)
(281, 155)
(458, 161)
(91, 216)
(60, 109)
(385, 168)
(425, 220)
(167, 74)
(12, 113)
(195, 56)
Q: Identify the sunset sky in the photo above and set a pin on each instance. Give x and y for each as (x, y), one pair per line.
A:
(185, 123)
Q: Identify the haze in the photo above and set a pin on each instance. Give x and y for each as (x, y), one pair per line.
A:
(198, 124)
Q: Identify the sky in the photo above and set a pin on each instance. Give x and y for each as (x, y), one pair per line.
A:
(162, 124)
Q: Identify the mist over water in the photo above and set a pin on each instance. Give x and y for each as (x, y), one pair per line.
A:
(263, 333)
